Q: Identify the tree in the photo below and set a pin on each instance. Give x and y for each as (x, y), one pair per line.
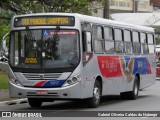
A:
(34, 6)
(37, 6)
(157, 40)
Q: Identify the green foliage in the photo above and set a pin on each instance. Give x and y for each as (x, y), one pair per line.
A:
(3, 81)
(157, 40)
(36, 6)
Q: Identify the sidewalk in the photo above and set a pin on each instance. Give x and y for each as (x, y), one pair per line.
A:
(5, 99)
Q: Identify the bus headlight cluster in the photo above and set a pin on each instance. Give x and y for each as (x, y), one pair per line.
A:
(72, 80)
(14, 81)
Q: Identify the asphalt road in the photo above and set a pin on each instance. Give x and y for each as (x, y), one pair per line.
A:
(148, 100)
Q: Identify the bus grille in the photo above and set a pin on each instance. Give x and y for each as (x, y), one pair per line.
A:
(45, 76)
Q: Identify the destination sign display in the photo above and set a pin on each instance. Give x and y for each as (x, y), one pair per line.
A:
(44, 21)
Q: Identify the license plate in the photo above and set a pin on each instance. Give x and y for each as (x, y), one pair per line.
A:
(42, 92)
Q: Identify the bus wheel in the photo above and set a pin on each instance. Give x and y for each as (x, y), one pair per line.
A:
(134, 94)
(95, 100)
(33, 102)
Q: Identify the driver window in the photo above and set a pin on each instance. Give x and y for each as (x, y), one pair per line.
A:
(86, 29)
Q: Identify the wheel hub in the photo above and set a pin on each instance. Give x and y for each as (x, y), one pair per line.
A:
(96, 94)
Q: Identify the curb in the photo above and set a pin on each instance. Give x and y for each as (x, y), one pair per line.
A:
(13, 102)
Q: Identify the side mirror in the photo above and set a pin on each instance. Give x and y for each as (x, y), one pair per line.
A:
(87, 41)
(4, 45)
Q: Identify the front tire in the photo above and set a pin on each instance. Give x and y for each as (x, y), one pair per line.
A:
(33, 102)
(95, 100)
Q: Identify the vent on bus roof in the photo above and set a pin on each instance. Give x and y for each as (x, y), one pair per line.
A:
(45, 76)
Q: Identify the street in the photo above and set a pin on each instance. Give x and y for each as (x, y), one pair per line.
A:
(148, 100)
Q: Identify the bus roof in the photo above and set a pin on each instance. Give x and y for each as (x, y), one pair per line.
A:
(96, 20)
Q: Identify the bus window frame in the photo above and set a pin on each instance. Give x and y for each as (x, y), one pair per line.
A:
(97, 39)
(84, 30)
(125, 42)
(144, 43)
(136, 42)
(150, 43)
(120, 41)
(110, 40)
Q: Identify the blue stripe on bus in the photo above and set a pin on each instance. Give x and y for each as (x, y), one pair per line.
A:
(53, 83)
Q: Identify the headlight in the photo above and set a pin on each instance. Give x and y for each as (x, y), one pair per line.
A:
(72, 80)
(14, 81)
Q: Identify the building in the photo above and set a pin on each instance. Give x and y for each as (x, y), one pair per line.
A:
(155, 4)
(125, 6)
(128, 6)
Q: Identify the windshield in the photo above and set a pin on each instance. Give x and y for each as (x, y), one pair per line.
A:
(46, 48)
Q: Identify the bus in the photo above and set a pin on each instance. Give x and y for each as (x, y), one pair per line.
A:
(70, 56)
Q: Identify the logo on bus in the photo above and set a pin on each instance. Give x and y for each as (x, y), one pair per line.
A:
(41, 76)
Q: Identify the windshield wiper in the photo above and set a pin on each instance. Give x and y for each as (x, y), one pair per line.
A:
(55, 35)
(30, 37)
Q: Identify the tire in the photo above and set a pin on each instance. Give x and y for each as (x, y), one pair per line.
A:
(134, 94)
(95, 100)
(124, 95)
(33, 102)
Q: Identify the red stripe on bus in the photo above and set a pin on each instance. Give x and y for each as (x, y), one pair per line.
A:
(39, 84)
(149, 67)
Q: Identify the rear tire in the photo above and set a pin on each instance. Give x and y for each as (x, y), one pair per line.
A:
(124, 95)
(132, 94)
(95, 100)
(33, 102)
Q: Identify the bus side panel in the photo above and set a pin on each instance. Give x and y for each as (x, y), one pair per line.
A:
(149, 79)
(123, 69)
(90, 72)
(109, 69)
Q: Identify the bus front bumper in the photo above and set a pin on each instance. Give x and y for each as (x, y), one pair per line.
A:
(68, 92)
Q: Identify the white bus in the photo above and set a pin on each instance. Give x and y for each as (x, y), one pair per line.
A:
(66, 56)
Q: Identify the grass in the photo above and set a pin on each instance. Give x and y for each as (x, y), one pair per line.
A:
(3, 81)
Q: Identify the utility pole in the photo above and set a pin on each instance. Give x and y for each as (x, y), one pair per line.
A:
(135, 6)
(106, 9)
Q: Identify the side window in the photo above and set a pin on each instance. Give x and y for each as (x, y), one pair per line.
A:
(127, 42)
(118, 41)
(136, 43)
(97, 39)
(109, 42)
(86, 42)
(118, 34)
(86, 32)
(150, 39)
(108, 33)
(144, 46)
